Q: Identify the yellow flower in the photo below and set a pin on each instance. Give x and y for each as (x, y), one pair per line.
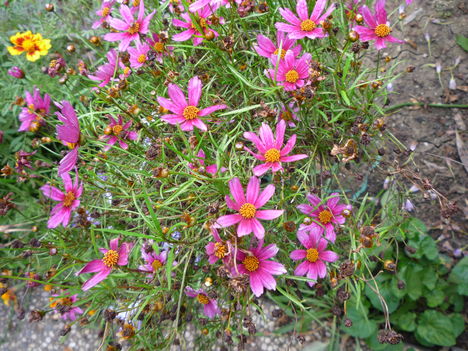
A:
(8, 296)
(32, 44)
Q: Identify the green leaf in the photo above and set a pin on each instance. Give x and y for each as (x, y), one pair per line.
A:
(458, 323)
(384, 286)
(406, 321)
(429, 247)
(430, 278)
(435, 297)
(459, 276)
(414, 227)
(436, 328)
(462, 41)
(412, 278)
(362, 326)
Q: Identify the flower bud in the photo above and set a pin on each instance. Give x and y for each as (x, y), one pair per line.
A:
(359, 18)
(353, 36)
(16, 72)
(49, 7)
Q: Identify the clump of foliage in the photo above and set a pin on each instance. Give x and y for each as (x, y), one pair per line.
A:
(185, 162)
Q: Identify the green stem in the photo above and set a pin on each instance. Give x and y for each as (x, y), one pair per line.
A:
(406, 104)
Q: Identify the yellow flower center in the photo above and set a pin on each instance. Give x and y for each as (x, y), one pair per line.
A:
(126, 70)
(292, 76)
(247, 211)
(110, 258)
(308, 25)
(28, 45)
(158, 46)
(325, 217)
(203, 299)
(220, 250)
(156, 265)
(141, 58)
(69, 198)
(382, 30)
(117, 129)
(134, 28)
(282, 54)
(71, 145)
(272, 155)
(105, 11)
(251, 263)
(312, 255)
(34, 126)
(190, 112)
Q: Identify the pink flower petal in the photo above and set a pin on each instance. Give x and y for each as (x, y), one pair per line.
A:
(273, 267)
(194, 91)
(99, 277)
(268, 214)
(298, 254)
(209, 110)
(237, 191)
(253, 188)
(256, 284)
(328, 256)
(260, 170)
(289, 16)
(302, 11)
(228, 220)
(266, 195)
(92, 267)
(257, 228)
(302, 268)
(245, 227)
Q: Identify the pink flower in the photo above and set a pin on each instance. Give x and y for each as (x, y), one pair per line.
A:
(68, 200)
(187, 115)
(378, 28)
(114, 257)
(32, 116)
(200, 167)
(153, 261)
(267, 49)
(197, 5)
(248, 208)
(159, 46)
(305, 26)
(64, 306)
(138, 55)
(31, 283)
(408, 2)
(260, 270)
(289, 114)
(104, 12)
(291, 71)
(107, 71)
(131, 28)
(119, 132)
(203, 22)
(210, 306)
(271, 150)
(314, 256)
(69, 133)
(16, 72)
(325, 216)
(218, 250)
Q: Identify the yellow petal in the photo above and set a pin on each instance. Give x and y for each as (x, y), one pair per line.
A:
(33, 56)
(13, 51)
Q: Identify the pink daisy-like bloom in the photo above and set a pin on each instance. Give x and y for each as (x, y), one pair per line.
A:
(203, 23)
(129, 27)
(292, 72)
(118, 132)
(64, 306)
(258, 267)
(197, 5)
(267, 49)
(289, 114)
(138, 55)
(378, 28)
(32, 116)
(68, 133)
(271, 150)
(106, 72)
(218, 250)
(200, 167)
(104, 13)
(315, 257)
(247, 207)
(113, 257)
(68, 200)
(159, 46)
(210, 306)
(153, 261)
(187, 115)
(325, 216)
(305, 26)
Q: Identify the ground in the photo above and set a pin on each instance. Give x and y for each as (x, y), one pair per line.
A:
(438, 155)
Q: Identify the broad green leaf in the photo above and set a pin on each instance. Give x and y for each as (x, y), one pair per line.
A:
(462, 41)
(406, 321)
(436, 328)
(459, 276)
(435, 297)
(362, 326)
